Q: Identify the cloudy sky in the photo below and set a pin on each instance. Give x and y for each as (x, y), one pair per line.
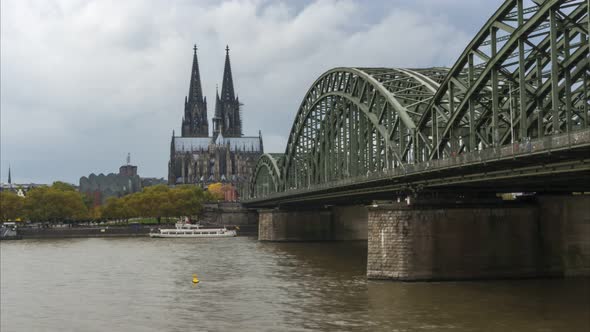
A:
(85, 82)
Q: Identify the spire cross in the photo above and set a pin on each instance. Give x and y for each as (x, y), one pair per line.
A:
(195, 48)
(226, 49)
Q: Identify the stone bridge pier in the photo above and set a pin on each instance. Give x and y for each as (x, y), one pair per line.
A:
(545, 236)
(335, 223)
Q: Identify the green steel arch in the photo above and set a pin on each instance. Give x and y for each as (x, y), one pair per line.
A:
(266, 178)
(525, 75)
(355, 121)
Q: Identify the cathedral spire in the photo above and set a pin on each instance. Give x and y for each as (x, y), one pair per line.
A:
(9, 177)
(195, 122)
(195, 93)
(217, 117)
(218, 110)
(227, 85)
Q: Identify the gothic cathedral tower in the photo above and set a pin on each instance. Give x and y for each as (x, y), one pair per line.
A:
(227, 120)
(194, 122)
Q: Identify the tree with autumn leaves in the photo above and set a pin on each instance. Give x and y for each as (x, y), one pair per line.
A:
(217, 190)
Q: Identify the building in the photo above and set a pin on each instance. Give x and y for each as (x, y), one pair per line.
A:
(148, 182)
(20, 189)
(226, 155)
(100, 187)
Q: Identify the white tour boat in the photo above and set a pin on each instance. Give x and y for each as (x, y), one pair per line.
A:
(193, 230)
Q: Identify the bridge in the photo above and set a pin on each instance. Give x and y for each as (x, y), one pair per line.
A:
(419, 156)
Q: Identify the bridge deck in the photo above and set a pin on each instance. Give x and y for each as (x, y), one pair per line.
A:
(554, 163)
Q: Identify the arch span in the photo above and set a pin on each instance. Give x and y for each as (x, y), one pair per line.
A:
(356, 120)
(266, 178)
(525, 75)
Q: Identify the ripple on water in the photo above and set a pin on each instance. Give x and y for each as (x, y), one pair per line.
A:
(142, 284)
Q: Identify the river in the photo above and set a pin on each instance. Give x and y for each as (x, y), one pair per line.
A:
(143, 284)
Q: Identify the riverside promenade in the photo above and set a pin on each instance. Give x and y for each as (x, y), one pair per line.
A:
(85, 231)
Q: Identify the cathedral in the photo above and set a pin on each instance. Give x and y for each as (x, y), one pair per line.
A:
(227, 155)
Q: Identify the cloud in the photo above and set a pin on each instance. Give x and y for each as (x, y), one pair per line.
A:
(85, 82)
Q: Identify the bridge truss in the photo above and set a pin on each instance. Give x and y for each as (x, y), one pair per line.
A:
(523, 78)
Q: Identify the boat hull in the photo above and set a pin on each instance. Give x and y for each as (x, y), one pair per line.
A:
(160, 235)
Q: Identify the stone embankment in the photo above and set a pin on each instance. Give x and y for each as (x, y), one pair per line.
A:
(89, 231)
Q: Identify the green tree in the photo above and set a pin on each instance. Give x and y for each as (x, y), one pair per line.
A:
(187, 200)
(156, 202)
(55, 203)
(113, 208)
(88, 201)
(62, 186)
(11, 206)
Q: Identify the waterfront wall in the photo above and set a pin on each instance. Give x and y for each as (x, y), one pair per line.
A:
(222, 214)
(231, 214)
(82, 232)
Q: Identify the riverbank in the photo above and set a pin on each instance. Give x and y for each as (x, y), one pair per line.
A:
(88, 231)
(133, 230)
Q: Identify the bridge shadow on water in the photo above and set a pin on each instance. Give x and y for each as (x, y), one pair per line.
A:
(328, 290)
(349, 257)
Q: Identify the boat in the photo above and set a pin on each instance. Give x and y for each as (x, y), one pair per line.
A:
(8, 231)
(185, 230)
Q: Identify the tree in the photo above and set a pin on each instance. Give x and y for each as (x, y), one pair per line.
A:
(55, 203)
(157, 202)
(88, 201)
(187, 200)
(62, 186)
(95, 213)
(11, 206)
(216, 191)
(113, 209)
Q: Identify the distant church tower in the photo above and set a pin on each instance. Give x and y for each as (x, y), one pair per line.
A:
(194, 122)
(227, 120)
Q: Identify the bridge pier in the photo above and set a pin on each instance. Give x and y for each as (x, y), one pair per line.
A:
(326, 224)
(422, 241)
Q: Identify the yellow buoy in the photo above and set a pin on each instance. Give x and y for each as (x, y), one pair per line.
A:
(195, 279)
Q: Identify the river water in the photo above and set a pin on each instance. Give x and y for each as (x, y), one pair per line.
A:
(143, 284)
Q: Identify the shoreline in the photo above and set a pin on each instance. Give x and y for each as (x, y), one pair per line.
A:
(107, 231)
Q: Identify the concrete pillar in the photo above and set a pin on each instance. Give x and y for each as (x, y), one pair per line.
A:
(418, 243)
(549, 236)
(341, 223)
(349, 223)
(566, 220)
(281, 225)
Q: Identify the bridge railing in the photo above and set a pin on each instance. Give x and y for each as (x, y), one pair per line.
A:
(521, 151)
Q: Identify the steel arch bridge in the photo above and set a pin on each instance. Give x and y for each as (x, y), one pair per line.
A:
(522, 83)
